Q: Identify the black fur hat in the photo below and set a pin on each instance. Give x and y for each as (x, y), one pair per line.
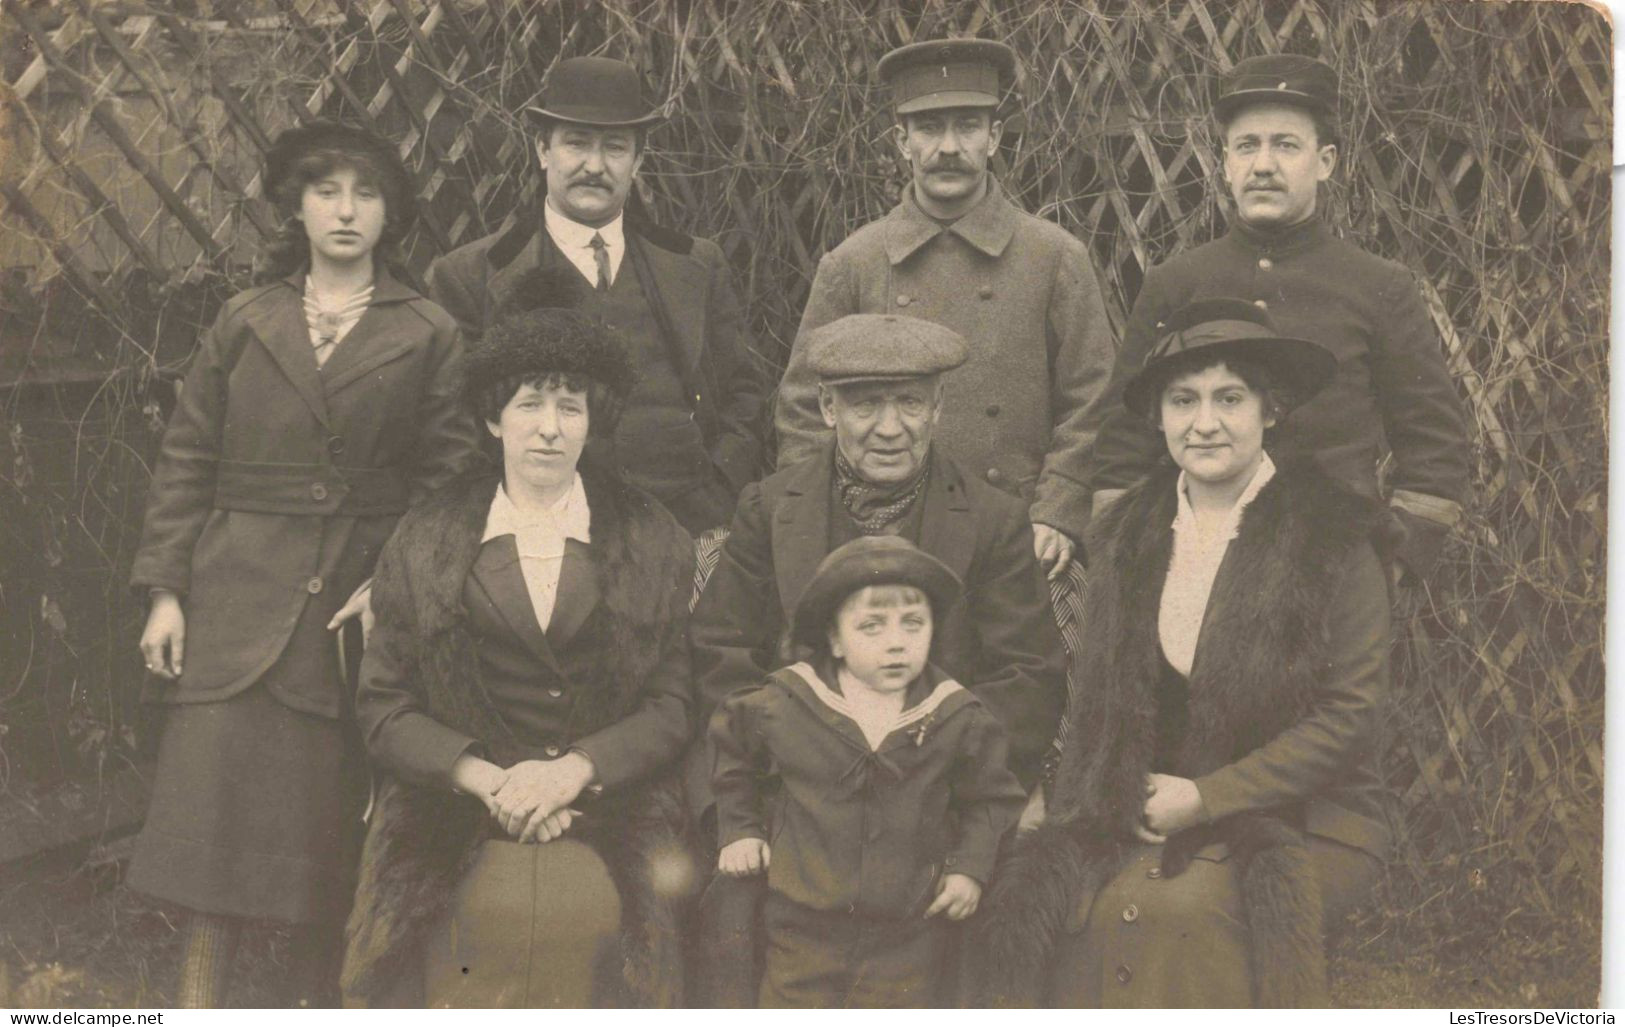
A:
(537, 333)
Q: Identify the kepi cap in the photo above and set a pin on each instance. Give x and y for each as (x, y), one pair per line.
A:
(870, 560)
(1277, 78)
(882, 347)
(947, 73)
(598, 91)
(1211, 329)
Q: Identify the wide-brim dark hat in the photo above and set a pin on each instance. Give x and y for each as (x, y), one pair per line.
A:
(295, 144)
(944, 73)
(1209, 330)
(1277, 78)
(597, 91)
(870, 560)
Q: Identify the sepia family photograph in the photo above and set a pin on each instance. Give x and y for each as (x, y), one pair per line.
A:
(874, 504)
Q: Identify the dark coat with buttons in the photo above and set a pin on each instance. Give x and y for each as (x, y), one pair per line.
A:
(695, 304)
(999, 640)
(1278, 730)
(1022, 412)
(458, 663)
(278, 482)
(1391, 390)
(855, 829)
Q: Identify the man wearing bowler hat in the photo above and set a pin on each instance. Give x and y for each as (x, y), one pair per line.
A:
(1278, 114)
(1021, 414)
(691, 430)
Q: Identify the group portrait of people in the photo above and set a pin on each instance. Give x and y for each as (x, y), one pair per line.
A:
(522, 644)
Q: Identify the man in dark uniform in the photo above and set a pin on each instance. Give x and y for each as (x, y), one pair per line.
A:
(691, 430)
(1278, 114)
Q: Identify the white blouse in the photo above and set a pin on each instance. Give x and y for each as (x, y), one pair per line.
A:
(1194, 565)
(540, 538)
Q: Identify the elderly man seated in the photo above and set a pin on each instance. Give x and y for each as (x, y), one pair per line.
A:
(880, 388)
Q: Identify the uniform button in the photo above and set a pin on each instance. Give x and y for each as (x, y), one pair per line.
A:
(555, 693)
(992, 410)
(318, 492)
(335, 444)
(314, 586)
(1265, 263)
(994, 475)
(986, 292)
(1131, 914)
(1154, 873)
(1124, 975)
(903, 299)
(552, 751)
(1261, 304)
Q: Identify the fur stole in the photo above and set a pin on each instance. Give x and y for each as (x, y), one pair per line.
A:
(1263, 641)
(421, 840)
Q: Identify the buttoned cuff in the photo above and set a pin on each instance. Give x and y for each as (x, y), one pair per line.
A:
(1061, 504)
(1422, 540)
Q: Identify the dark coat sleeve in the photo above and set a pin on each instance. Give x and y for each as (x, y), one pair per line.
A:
(1022, 672)
(740, 381)
(736, 627)
(986, 797)
(1127, 449)
(740, 760)
(800, 427)
(449, 438)
(1309, 756)
(389, 708)
(456, 281)
(1422, 418)
(182, 492)
(657, 731)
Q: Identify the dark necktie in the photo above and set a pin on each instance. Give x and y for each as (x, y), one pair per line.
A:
(600, 256)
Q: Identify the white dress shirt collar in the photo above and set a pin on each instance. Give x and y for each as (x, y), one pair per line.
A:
(574, 240)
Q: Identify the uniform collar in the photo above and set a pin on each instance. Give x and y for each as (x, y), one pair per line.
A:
(573, 235)
(1297, 237)
(987, 227)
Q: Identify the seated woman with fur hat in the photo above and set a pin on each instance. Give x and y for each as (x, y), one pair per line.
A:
(526, 690)
(1218, 800)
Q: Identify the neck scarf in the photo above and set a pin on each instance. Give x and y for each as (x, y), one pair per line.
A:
(328, 325)
(875, 507)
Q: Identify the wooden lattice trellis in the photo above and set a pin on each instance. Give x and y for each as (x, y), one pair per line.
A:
(1475, 151)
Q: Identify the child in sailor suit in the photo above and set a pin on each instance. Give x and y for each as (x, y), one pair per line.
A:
(870, 788)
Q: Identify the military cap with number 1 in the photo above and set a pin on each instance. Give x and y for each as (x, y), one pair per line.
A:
(948, 73)
(1277, 78)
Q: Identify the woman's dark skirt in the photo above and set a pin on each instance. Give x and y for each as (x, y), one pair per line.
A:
(256, 811)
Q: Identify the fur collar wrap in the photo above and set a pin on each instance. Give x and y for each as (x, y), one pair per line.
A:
(1263, 641)
(421, 840)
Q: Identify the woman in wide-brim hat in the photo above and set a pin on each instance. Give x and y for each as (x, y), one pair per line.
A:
(316, 408)
(525, 699)
(1218, 798)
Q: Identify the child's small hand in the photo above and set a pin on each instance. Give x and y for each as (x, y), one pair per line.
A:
(957, 895)
(745, 857)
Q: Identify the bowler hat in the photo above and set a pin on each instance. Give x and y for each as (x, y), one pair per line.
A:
(947, 73)
(870, 560)
(1212, 329)
(295, 144)
(1277, 78)
(882, 347)
(597, 91)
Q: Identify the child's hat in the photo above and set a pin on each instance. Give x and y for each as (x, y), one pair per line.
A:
(871, 560)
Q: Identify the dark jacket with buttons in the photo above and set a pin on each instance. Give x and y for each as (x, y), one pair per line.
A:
(1391, 386)
(1022, 412)
(852, 829)
(1000, 640)
(278, 482)
(691, 305)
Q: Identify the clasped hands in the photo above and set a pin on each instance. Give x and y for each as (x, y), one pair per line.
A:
(531, 799)
(1171, 804)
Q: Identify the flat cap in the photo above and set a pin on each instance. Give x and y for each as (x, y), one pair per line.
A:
(882, 347)
(870, 560)
(1277, 78)
(1208, 331)
(948, 73)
